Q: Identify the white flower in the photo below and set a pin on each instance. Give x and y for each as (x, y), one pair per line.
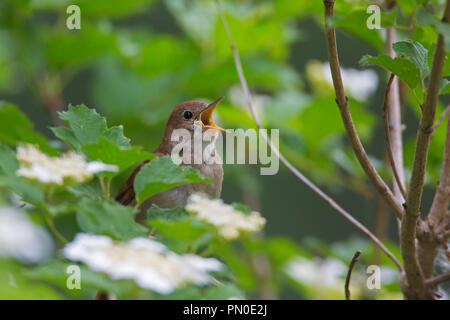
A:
(149, 263)
(21, 239)
(229, 221)
(325, 273)
(70, 167)
(360, 84)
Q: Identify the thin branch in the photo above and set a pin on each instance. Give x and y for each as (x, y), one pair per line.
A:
(274, 149)
(395, 170)
(349, 274)
(342, 103)
(414, 274)
(438, 279)
(441, 118)
(395, 122)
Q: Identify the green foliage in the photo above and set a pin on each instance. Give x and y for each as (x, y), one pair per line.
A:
(162, 174)
(15, 128)
(108, 218)
(86, 126)
(403, 68)
(134, 60)
(414, 52)
(109, 152)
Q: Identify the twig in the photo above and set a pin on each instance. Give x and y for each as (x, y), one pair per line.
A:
(438, 279)
(388, 139)
(417, 99)
(395, 123)
(441, 118)
(414, 275)
(342, 103)
(349, 274)
(52, 227)
(274, 149)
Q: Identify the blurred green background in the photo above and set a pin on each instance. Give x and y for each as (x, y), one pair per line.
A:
(134, 60)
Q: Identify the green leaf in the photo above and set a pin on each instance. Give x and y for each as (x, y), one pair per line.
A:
(162, 174)
(14, 284)
(115, 134)
(423, 17)
(187, 230)
(404, 69)
(8, 177)
(155, 212)
(414, 52)
(111, 153)
(16, 128)
(55, 272)
(66, 135)
(109, 218)
(356, 22)
(86, 126)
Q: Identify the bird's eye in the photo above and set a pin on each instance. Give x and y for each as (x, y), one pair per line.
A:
(187, 115)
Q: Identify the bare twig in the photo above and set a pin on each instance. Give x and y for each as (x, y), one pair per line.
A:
(415, 286)
(441, 118)
(390, 153)
(274, 149)
(342, 103)
(349, 274)
(438, 279)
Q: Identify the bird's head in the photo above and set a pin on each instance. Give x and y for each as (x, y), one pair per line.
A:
(189, 113)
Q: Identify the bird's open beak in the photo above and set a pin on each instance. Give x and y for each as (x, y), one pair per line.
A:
(207, 118)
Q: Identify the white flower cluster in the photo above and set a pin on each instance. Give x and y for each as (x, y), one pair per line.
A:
(149, 263)
(229, 221)
(70, 167)
(360, 84)
(21, 239)
(325, 273)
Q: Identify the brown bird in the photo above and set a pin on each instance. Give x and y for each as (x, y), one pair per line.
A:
(186, 115)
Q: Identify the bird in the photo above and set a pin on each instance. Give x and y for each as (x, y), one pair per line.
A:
(185, 115)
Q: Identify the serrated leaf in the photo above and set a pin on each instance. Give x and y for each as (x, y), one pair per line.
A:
(111, 153)
(15, 128)
(414, 52)
(86, 126)
(115, 134)
(404, 69)
(162, 174)
(109, 218)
